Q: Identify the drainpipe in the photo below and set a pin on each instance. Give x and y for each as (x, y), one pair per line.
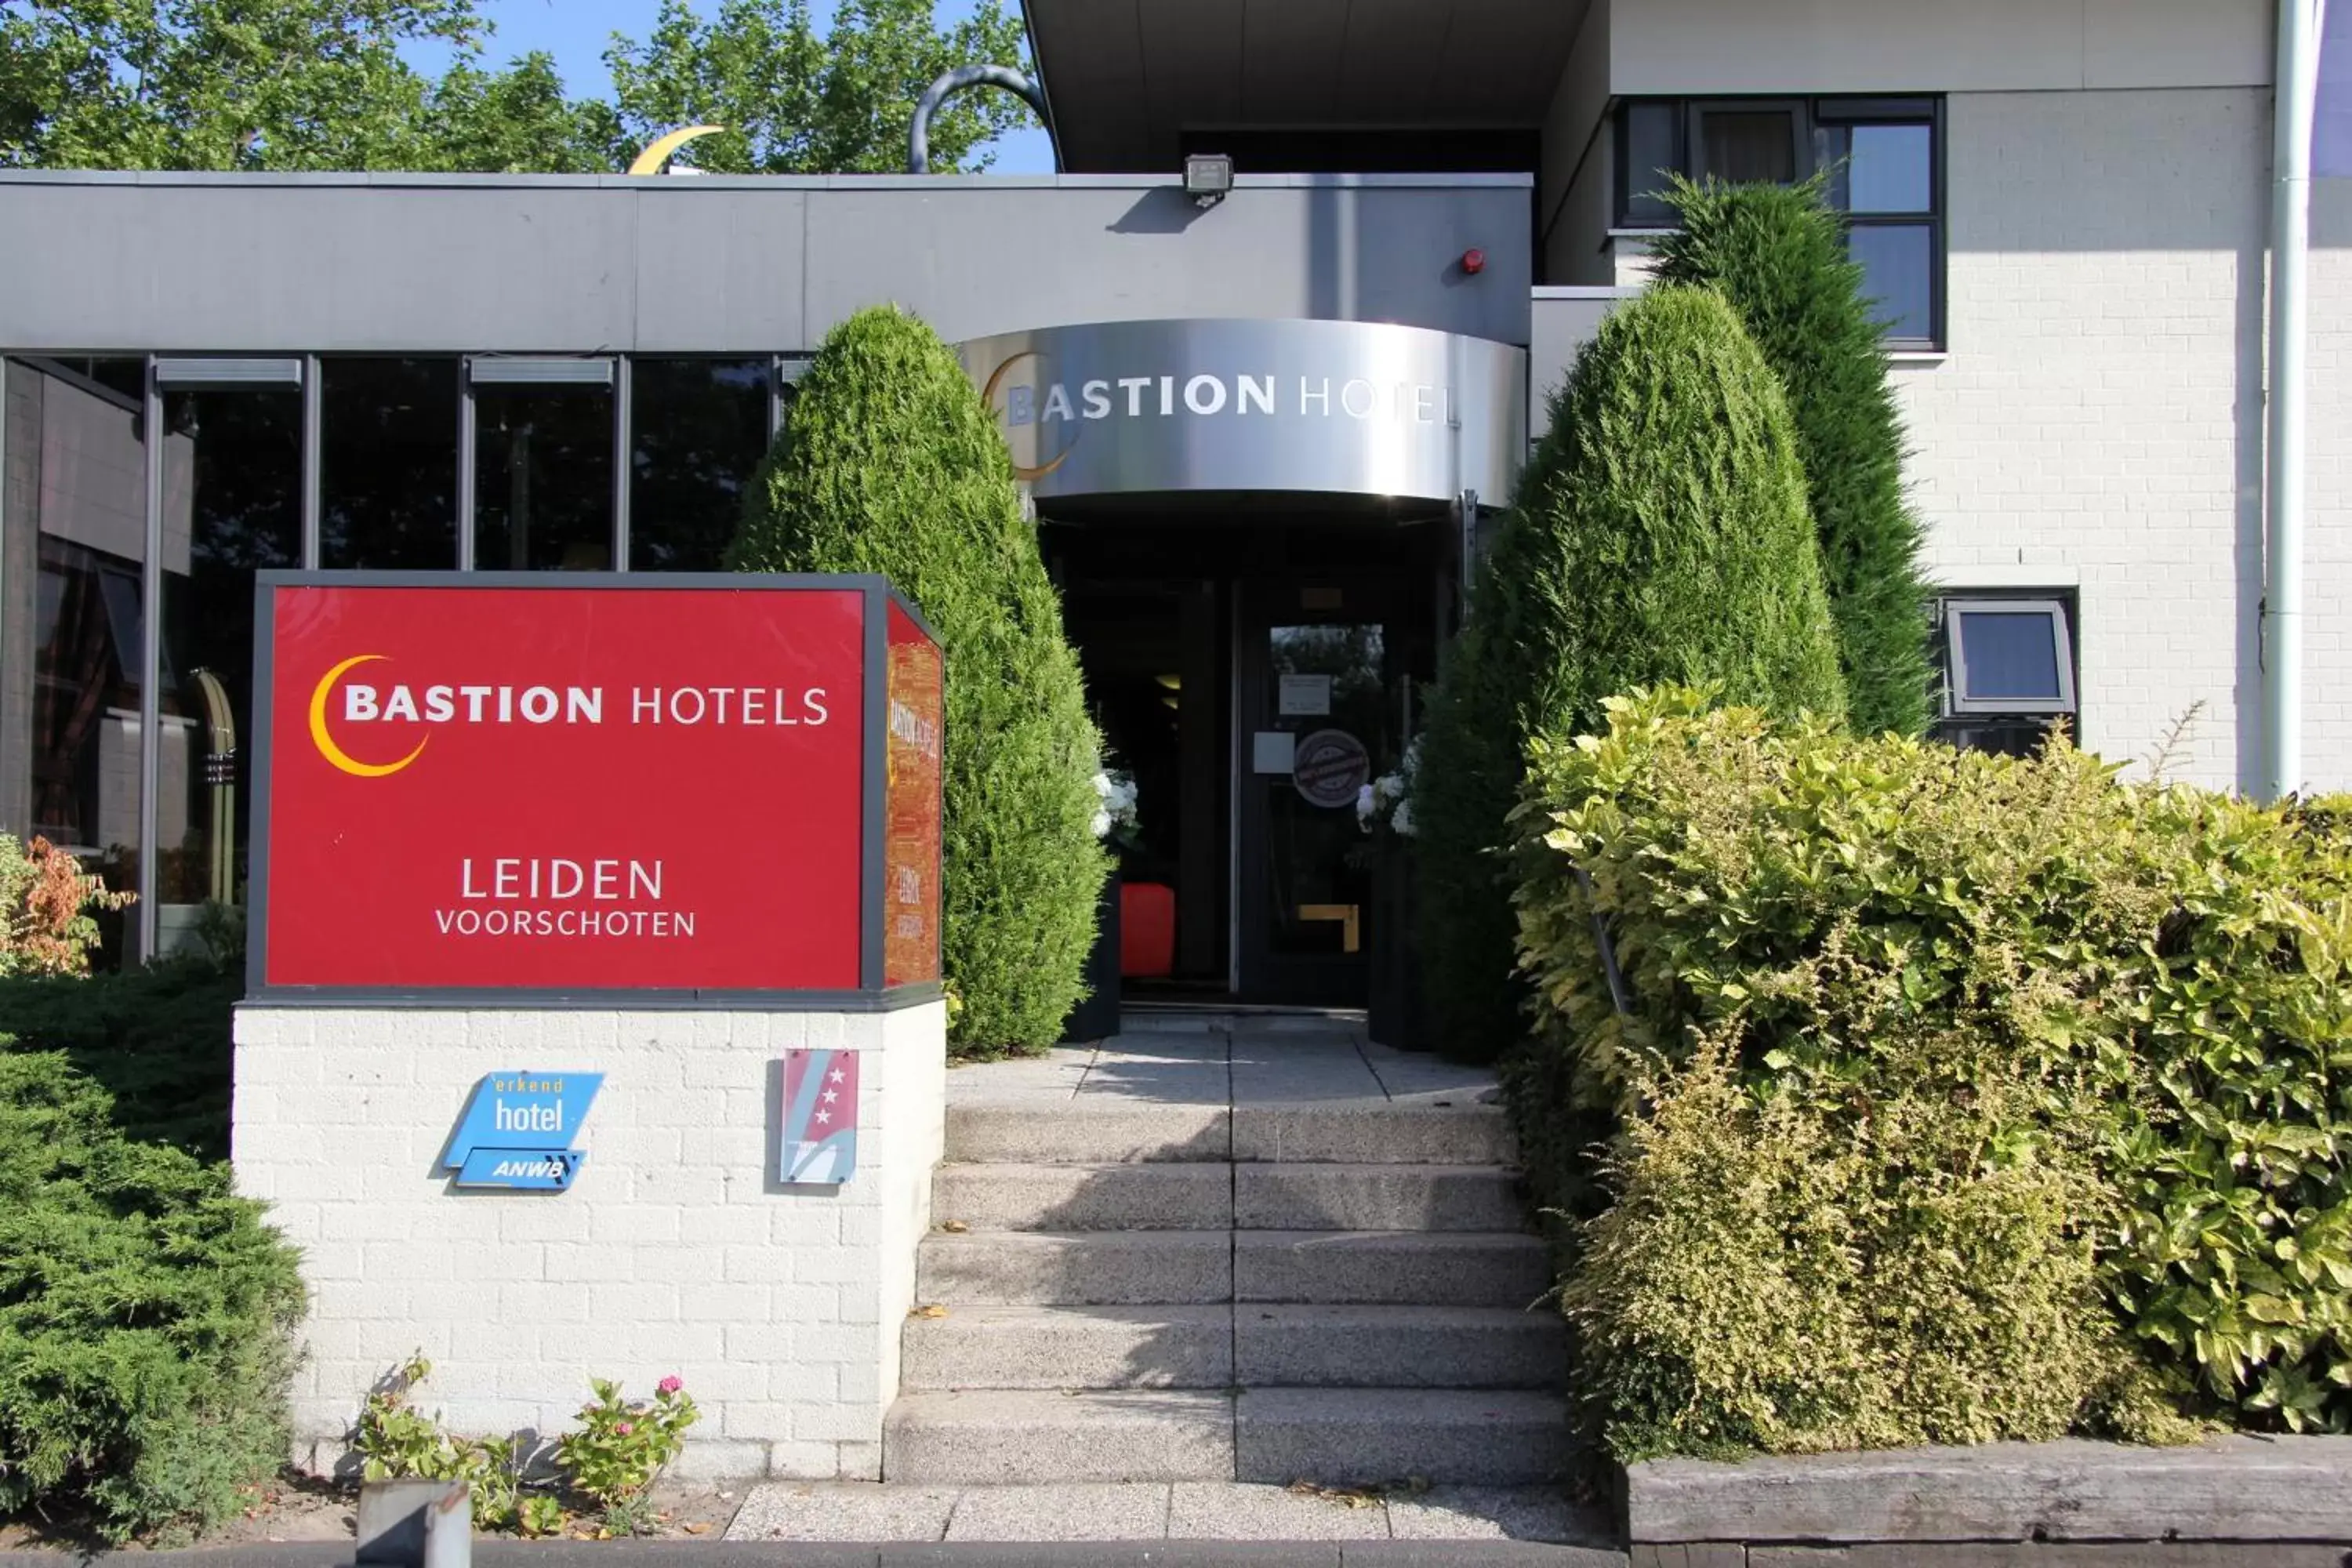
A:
(2297, 90)
(919, 134)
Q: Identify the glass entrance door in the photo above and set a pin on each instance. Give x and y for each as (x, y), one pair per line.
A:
(1322, 704)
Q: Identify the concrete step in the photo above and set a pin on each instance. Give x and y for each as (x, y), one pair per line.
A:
(1376, 1197)
(1398, 1347)
(1345, 1436)
(1077, 1267)
(1376, 1133)
(996, 1436)
(1170, 1196)
(1072, 1135)
(1069, 1347)
(1439, 1268)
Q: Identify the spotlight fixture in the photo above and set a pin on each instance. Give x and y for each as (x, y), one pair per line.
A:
(1208, 177)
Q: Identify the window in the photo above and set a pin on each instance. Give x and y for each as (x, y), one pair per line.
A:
(699, 428)
(2008, 667)
(1881, 158)
(388, 464)
(545, 432)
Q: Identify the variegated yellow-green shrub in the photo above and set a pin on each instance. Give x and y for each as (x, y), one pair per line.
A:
(2039, 1065)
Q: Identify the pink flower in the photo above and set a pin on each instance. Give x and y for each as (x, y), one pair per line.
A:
(670, 1384)
(623, 1428)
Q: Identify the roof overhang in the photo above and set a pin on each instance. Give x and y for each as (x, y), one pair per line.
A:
(1128, 81)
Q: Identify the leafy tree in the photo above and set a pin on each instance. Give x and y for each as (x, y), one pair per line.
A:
(321, 85)
(796, 101)
(1779, 253)
(1660, 534)
(890, 464)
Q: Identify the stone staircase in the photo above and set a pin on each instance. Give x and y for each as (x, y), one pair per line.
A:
(1336, 1293)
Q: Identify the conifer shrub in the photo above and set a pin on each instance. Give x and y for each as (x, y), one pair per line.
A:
(1659, 533)
(1779, 253)
(146, 1317)
(156, 1038)
(2005, 1066)
(890, 464)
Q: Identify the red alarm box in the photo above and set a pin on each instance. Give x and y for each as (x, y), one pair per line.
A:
(1146, 929)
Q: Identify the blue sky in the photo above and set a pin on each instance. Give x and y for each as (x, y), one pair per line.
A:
(575, 32)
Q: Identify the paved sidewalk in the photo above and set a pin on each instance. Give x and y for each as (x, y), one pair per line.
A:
(1183, 1058)
(1153, 1510)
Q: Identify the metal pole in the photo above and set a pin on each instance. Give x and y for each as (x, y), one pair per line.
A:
(313, 406)
(465, 465)
(623, 462)
(151, 665)
(2297, 91)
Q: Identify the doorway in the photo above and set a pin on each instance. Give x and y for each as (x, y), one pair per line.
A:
(1253, 674)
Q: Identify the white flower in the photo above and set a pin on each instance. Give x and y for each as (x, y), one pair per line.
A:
(1366, 807)
(1102, 823)
(1400, 819)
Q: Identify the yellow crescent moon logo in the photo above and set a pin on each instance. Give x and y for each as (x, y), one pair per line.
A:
(988, 395)
(326, 743)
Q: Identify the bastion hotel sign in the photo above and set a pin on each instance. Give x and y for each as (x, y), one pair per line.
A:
(579, 785)
(1335, 407)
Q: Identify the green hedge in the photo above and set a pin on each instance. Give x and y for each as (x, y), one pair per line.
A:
(1659, 533)
(146, 1317)
(1779, 253)
(157, 1040)
(891, 464)
(2004, 1067)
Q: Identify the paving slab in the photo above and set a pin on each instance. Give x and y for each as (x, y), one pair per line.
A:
(1377, 1198)
(1373, 1132)
(1094, 1130)
(843, 1510)
(1100, 1511)
(984, 1437)
(1172, 1196)
(1076, 1267)
(1228, 1511)
(1069, 1347)
(1470, 1269)
(1493, 1513)
(1357, 1435)
(1278, 1344)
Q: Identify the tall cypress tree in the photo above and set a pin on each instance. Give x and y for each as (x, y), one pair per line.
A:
(890, 464)
(1659, 534)
(1779, 253)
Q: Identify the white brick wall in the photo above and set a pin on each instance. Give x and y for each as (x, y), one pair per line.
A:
(2098, 422)
(675, 1251)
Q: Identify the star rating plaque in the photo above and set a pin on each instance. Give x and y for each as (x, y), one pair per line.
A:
(819, 1118)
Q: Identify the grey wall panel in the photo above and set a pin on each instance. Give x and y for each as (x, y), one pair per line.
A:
(719, 275)
(350, 264)
(1565, 320)
(976, 262)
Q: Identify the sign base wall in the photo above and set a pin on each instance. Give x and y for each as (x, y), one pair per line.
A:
(674, 1251)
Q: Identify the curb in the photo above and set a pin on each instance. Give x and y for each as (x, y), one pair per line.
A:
(912, 1554)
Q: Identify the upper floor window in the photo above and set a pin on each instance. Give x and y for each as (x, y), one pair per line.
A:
(1882, 157)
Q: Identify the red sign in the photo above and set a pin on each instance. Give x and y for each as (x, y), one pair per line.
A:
(501, 782)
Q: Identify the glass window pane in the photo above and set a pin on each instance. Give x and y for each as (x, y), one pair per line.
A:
(232, 506)
(1650, 157)
(701, 427)
(2009, 657)
(73, 529)
(543, 479)
(1899, 272)
(1892, 169)
(1743, 145)
(388, 464)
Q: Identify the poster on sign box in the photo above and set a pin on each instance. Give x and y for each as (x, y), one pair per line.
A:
(572, 786)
